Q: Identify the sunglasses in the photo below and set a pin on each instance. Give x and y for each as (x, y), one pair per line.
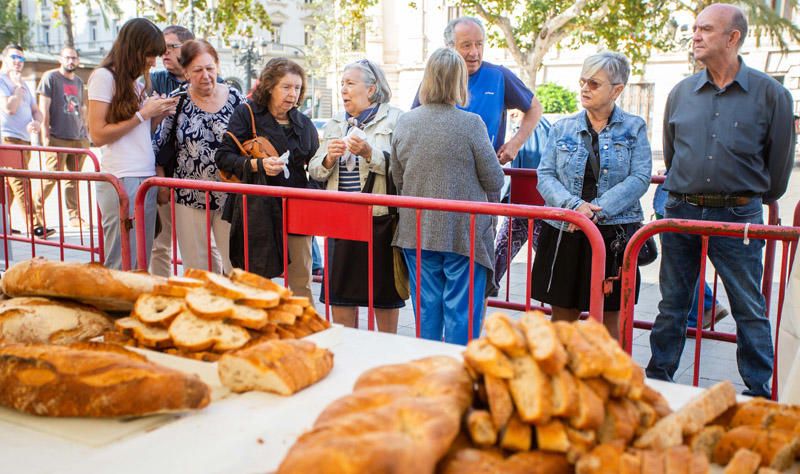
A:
(17, 57)
(592, 84)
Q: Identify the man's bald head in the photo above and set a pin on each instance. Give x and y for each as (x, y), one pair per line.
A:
(731, 16)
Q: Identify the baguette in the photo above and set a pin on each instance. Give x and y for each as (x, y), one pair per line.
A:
(207, 305)
(584, 360)
(245, 316)
(531, 390)
(157, 310)
(501, 407)
(516, 436)
(552, 436)
(619, 367)
(149, 336)
(743, 461)
(280, 317)
(191, 333)
(93, 380)
(90, 283)
(257, 281)
(282, 367)
(590, 411)
(487, 359)
(34, 319)
(604, 458)
(543, 341)
(491, 461)
(706, 440)
(565, 395)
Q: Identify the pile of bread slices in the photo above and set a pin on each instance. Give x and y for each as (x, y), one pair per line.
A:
(203, 314)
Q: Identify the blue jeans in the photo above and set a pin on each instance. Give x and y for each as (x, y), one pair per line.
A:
(108, 200)
(707, 303)
(445, 295)
(740, 268)
(316, 256)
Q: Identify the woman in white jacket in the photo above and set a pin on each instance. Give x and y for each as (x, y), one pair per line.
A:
(354, 157)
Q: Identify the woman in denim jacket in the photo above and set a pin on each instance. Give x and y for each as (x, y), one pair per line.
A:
(606, 191)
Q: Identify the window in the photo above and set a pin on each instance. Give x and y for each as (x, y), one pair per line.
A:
(357, 37)
(308, 38)
(308, 2)
(453, 13)
(275, 32)
(46, 35)
(93, 30)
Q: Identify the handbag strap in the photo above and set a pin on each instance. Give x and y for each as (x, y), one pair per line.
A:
(390, 189)
(238, 143)
(252, 119)
(173, 133)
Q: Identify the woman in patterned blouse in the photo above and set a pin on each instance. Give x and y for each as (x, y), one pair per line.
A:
(201, 123)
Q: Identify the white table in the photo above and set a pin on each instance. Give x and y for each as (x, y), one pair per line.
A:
(248, 433)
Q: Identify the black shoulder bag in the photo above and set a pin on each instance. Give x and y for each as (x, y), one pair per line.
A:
(167, 156)
(649, 251)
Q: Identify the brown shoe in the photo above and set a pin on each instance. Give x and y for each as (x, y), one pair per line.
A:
(722, 313)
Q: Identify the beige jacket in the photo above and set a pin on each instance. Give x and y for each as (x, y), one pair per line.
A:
(379, 136)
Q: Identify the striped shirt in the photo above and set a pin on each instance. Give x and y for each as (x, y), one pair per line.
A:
(349, 181)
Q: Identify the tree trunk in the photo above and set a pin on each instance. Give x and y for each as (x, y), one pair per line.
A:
(66, 12)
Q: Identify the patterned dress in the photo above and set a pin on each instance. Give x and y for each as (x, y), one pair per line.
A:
(198, 136)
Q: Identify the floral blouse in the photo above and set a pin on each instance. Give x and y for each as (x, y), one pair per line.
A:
(198, 136)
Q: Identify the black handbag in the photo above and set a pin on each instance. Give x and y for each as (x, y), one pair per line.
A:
(350, 254)
(167, 156)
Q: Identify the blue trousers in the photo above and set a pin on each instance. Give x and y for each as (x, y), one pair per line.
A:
(445, 295)
(740, 268)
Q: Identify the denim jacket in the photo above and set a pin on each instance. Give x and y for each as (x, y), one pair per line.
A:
(625, 166)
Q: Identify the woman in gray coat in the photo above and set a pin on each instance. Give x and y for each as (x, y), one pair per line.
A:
(439, 151)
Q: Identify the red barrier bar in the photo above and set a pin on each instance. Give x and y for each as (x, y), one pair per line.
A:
(318, 197)
(704, 228)
(6, 173)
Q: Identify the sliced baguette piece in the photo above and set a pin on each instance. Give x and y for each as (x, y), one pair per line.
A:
(157, 310)
(284, 333)
(530, 388)
(580, 443)
(196, 274)
(257, 281)
(552, 436)
(481, 428)
(619, 423)
(544, 344)
(282, 367)
(678, 460)
(313, 322)
(223, 286)
(186, 282)
(487, 359)
(207, 305)
(295, 309)
(619, 368)
(706, 440)
(501, 407)
(165, 289)
(281, 317)
(584, 359)
(247, 317)
(191, 333)
(517, 435)
(604, 458)
(565, 394)
(301, 301)
(149, 336)
(743, 461)
(505, 334)
(590, 412)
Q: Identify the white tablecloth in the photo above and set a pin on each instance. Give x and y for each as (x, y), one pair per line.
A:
(248, 433)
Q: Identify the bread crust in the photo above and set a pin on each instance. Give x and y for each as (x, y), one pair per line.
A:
(93, 380)
(42, 320)
(89, 283)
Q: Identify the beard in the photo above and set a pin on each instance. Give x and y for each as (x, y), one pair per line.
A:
(70, 67)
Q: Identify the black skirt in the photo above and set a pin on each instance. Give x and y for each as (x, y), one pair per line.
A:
(571, 280)
(348, 271)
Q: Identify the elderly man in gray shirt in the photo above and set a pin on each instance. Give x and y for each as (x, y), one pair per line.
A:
(729, 148)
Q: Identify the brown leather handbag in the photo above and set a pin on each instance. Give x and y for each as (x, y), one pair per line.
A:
(256, 147)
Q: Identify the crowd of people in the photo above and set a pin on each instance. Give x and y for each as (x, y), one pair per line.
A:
(728, 148)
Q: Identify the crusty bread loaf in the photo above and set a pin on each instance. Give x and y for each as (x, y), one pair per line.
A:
(92, 380)
(35, 319)
(283, 367)
(408, 435)
(544, 344)
(90, 283)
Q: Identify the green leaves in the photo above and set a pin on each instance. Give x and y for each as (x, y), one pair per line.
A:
(556, 99)
(13, 29)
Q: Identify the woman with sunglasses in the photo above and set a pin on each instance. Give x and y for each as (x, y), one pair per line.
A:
(596, 162)
(354, 158)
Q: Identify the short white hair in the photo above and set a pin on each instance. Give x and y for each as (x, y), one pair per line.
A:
(616, 65)
(450, 29)
(373, 75)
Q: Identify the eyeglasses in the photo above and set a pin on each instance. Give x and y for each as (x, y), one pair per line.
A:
(175, 45)
(17, 57)
(593, 84)
(70, 58)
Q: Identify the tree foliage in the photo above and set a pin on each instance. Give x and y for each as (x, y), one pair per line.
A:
(63, 14)
(211, 18)
(13, 29)
(556, 99)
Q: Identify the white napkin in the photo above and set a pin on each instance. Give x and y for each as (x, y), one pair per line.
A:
(349, 158)
(285, 160)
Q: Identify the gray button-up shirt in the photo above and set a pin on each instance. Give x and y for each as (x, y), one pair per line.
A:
(738, 139)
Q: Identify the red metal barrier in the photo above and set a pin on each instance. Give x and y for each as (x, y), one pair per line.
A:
(349, 216)
(96, 252)
(11, 156)
(705, 229)
(523, 191)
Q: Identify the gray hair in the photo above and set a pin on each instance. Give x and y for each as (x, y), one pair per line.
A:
(184, 34)
(616, 65)
(450, 29)
(739, 23)
(373, 76)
